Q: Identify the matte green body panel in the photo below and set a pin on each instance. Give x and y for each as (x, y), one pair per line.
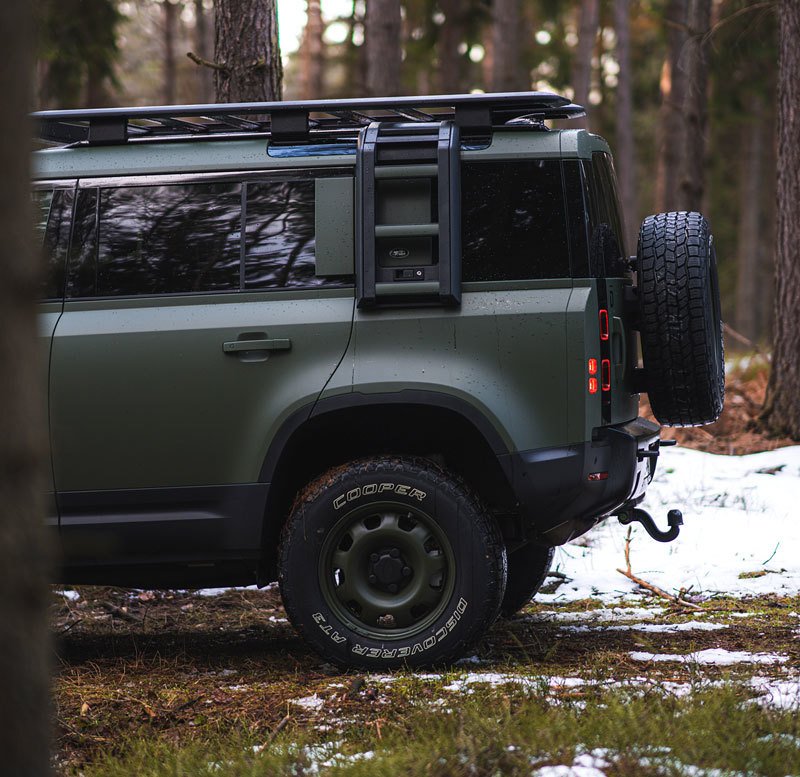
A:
(143, 396)
(503, 352)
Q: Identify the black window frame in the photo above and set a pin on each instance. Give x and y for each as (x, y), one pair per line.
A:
(69, 187)
(241, 177)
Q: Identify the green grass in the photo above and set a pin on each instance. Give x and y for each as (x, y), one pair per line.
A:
(496, 732)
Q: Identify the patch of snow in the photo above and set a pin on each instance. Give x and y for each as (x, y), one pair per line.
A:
(219, 591)
(665, 628)
(781, 694)
(601, 614)
(313, 702)
(738, 520)
(71, 595)
(712, 656)
(273, 619)
(589, 764)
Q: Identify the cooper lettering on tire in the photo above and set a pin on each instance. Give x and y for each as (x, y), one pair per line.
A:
(679, 319)
(389, 562)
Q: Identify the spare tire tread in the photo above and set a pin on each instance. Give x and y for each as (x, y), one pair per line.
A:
(679, 313)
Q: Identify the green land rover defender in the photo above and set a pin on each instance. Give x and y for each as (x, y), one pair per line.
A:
(383, 351)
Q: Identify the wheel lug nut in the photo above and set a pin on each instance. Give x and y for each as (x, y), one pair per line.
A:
(394, 552)
(406, 571)
(392, 588)
(374, 558)
(372, 579)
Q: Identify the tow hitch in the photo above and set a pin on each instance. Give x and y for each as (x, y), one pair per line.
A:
(674, 519)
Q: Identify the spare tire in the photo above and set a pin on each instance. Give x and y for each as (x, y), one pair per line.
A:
(679, 319)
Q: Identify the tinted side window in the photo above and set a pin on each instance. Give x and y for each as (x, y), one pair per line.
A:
(279, 236)
(606, 248)
(514, 224)
(157, 240)
(53, 216)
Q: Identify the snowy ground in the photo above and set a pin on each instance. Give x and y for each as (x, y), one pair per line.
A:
(741, 516)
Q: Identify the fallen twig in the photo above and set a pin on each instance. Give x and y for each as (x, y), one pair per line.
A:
(277, 730)
(657, 591)
(119, 612)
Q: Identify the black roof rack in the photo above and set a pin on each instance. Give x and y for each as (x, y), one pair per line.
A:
(298, 121)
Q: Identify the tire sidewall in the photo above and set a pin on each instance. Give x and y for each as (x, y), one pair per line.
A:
(326, 628)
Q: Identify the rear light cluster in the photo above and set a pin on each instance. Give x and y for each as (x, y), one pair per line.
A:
(603, 380)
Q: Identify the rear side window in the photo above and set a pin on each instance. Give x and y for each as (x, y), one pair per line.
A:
(514, 224)
(52, 218)
(193, 238)
(606, 246)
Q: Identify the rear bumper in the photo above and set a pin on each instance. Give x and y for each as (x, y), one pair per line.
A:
(558, 501)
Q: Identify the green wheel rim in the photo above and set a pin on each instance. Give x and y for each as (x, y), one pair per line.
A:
(387, 570)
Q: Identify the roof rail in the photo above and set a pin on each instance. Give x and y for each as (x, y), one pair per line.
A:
(297, 121)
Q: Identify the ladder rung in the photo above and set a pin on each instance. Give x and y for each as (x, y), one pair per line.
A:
(406, 171)
(407, 230)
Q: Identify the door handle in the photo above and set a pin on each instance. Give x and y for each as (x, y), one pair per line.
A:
(237, 346)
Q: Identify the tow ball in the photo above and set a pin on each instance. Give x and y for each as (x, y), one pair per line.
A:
(674, 519)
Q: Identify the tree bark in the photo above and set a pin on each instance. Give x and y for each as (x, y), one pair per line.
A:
(246, 52)
(625, 151)
(24, 643)
(670, 128)
(582, 66)
(170, 29)
(205, 82)
(451, 35)
(749, 277)
(695, 106)
(384, 49)
(312, 51)
(507, 73)
(781, 413)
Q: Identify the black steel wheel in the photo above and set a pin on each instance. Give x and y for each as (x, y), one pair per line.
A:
(389, 562)
(527, 569)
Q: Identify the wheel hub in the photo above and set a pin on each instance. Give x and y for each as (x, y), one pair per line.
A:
(388, 569)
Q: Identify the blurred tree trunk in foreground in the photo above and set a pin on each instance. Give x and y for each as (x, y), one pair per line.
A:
(24, 637)
(695, 106)
(247, 58)
(312, 51)
(625, 149)
(384, 48)
(451, 35)
(670, 127)
(582, 65)
(781, 413)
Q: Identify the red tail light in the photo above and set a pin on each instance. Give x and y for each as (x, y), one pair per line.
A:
(592, 364)
(593, 385)
(605, 374)
(603, 324)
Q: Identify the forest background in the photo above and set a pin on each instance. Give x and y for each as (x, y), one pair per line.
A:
(635, 65)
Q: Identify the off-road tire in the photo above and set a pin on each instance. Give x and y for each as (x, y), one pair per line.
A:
(527, 569)
(679, 319)
(368, 495)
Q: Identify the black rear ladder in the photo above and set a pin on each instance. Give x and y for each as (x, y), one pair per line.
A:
(408, 214)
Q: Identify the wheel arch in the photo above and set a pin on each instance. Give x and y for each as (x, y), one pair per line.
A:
(354, 425)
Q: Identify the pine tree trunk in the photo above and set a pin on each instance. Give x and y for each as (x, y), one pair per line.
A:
(625, 148)
(582, 66)
(670, 128)
(170, 30)
(451, 35)
(384, 50)
(204, 83)
(311, 52)
(24, 642)
(781, 413)
(246, 51)
(507, 74)
(750, 236)
(695, 106)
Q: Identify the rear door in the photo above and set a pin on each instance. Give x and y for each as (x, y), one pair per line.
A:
(194, 323)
